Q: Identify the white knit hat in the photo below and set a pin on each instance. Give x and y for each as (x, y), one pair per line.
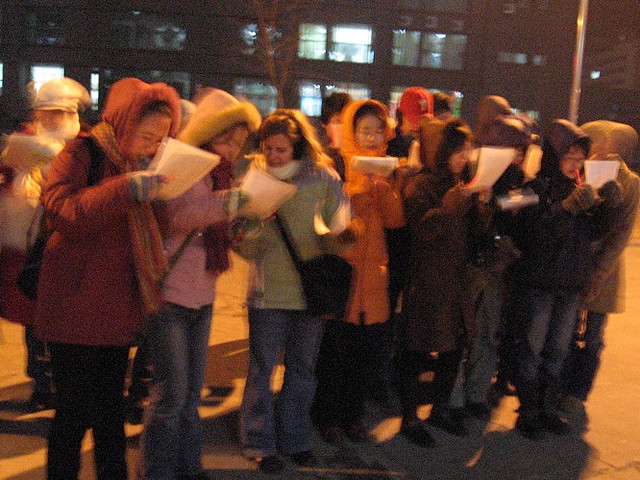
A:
(214, 114)
(62, 94)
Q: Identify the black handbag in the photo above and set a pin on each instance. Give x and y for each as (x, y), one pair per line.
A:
(326, 279)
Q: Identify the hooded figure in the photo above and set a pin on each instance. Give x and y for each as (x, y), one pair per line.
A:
(369, 303)
(85, 275)
(613, 141)
(100, 270)
(489, 108)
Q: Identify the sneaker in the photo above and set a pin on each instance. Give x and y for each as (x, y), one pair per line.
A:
(446, 420)
(332, 435)
(529, 427)
(357, 433)
(271, 464)
(479, 410)
(306, 458)
(418, 435)
(554, 423)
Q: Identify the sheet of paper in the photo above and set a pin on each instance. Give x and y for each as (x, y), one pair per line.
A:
(492, 162)
(382, 166)
(27, 151)
(183, 164)
(266, 193)
(338, 223)
(532, 161)
(599, 172)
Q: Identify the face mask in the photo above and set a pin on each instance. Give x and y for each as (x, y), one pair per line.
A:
(67, 130)
(286, 171)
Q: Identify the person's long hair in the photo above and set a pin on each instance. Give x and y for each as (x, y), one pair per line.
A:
(295, 125)
(454, 137)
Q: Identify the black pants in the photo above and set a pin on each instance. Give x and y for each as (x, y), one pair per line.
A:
(89, 381)
(350, 369)
(411, 365)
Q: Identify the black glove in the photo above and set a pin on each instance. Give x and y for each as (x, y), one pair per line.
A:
(582, 198)
(611, 194)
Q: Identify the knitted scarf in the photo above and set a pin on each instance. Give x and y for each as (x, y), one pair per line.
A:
(146, 241)
(217, 240)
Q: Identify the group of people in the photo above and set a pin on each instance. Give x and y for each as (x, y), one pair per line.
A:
(449, 284)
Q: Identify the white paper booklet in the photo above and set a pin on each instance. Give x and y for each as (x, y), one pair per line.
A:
(183, 165)
(492, 162)
(382, 166)
(266, 193)
(599, 172)
(517, 199)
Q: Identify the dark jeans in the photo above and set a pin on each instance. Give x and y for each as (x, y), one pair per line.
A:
(583, 361)
(541, 355)
(38, 364)
(412, 365)
(89, 382)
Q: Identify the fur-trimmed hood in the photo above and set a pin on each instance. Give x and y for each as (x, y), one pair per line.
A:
(214, 114)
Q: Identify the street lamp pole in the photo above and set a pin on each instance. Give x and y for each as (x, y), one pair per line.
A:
(576, 87)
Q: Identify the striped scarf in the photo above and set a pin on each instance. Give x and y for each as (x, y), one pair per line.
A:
(146, 241)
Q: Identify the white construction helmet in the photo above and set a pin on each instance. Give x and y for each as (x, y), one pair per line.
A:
(62, 94)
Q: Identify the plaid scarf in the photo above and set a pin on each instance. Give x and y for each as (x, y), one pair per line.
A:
(146, 241)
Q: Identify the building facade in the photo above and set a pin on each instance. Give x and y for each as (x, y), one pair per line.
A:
(522, 50)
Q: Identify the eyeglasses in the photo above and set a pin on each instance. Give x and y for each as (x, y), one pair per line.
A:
(370, 133)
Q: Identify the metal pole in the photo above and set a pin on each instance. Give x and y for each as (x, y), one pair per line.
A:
(576, 87)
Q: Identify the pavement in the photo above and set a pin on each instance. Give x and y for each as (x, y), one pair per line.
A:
(604, 442)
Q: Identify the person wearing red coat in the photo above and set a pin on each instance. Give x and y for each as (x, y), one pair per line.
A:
(100, 270)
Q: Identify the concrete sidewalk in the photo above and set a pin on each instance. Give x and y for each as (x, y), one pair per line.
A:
(604, 443)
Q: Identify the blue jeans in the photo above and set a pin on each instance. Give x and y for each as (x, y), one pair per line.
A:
(583, 362)
(285, 425)
(550, 327)
(178, 342)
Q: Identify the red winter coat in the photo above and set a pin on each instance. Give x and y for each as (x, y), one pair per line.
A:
(87, 292)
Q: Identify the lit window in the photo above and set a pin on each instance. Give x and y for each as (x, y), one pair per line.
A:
(539, 60)
(1, 77)
(351, 43)
(263, 95)
(250, 37)
(135, 29)
(443, 51)
(43, 73)
(510, 57)
(313, 41)
(358, 91)
(406, 48)
(594, 75)
(95, 90)
(181, 81)
(311, 94)
(310, 98)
